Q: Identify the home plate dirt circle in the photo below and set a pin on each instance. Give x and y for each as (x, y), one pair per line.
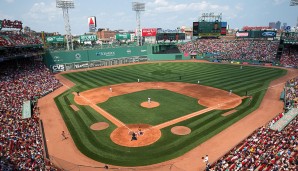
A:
(122, 135)
(180, 130)
(152, 104)
(99, 126)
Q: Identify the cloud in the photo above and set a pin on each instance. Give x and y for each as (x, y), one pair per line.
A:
(5, 16)
(9, 1)
(239, 7)
(162, 6)
(161, 3)
(42, 12)
(120, 14)
(278, 2)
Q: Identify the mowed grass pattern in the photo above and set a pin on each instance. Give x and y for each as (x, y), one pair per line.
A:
(97, 144)
(127, 107)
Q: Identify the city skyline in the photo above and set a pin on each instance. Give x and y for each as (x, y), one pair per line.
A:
(42, 15)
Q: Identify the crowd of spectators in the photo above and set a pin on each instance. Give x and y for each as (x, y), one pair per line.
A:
(265, 149)
(12, 39)
(262, 50)
(21, 52)
(292, 93)
(4, 42)
(21, 144)
(290, 36)
(289, 56)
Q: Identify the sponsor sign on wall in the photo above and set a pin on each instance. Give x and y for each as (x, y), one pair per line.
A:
(58, 68)
(147, 32)
(55, 39)
(111, 53)
(69, 67)
(269, 34)
(256, 34)
(81, 65)
(85, 38)
(242, 34)
(125, 36)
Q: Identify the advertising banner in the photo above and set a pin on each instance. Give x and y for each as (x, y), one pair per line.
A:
(58, 68)
(96, 63)
(122, 36)
(81, 65)
(195, 30)
(242, 34)
(92, 23)
(69, 67)
(209, 34)
(147, 32)
(170, 36)
(55, 39)
(223, 31)
(268, 34)
(143, 58)
(85, 38)
(224, 24)
(11, 24)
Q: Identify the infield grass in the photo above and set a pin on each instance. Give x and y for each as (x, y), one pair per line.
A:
(172, 105)
(97, 144)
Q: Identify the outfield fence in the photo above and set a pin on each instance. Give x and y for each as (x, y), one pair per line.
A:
(62, 165)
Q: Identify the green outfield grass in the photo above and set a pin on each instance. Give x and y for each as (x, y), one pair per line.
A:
(98, 145)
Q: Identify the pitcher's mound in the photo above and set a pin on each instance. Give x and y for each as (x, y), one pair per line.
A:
(180, 130)
(99, 126)
(123, 135)
(152, 104)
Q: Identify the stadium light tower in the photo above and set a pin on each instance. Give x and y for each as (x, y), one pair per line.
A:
(65, 5)
(138, 7)
(293, 2)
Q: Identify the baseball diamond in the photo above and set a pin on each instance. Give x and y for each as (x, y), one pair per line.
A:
(183, 102)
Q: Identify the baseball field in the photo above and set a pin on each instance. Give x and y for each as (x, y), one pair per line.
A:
(189, 103)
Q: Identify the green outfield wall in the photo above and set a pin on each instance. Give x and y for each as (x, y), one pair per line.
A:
(59, 61)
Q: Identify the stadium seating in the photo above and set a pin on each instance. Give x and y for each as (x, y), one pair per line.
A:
(289, 57)
(264, 149)
(21, 145)
(261, 50)
(8, 39)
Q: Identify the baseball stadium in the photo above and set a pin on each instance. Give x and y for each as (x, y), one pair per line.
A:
(205, 98)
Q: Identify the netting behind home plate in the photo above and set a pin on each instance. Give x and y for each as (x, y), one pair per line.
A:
(68, 166)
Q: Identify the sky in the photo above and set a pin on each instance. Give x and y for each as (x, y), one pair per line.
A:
(42, 15)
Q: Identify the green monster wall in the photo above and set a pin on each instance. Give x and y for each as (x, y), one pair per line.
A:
(78, 59)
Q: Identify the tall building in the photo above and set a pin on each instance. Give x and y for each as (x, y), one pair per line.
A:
(277, 25)
(272, 25)
(284, 25)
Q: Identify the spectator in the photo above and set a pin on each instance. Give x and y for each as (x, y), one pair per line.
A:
(261, 50)
(20, 139)
(265, 149)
